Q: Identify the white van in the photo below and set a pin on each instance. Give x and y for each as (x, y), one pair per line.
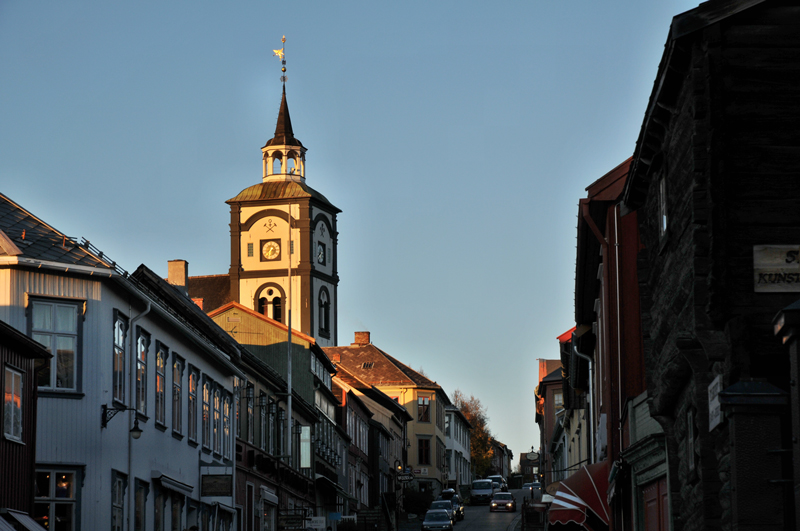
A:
(481, 492)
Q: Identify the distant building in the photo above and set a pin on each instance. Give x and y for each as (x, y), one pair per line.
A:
(457, 432)
(423, 399)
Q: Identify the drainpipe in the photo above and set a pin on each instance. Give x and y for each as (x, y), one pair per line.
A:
(590, 424)
(132, 413)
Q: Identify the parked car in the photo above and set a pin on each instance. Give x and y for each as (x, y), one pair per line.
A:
(455, 499)
(437, 520)
(481, 491)
(503, 501)
(536, 491)
(445, 505)
(501, 482)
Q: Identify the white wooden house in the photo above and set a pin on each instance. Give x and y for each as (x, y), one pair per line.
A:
(136, 407)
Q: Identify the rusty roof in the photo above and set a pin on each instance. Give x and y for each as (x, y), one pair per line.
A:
(26, 236)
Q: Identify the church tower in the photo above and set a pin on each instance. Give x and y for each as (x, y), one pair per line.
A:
(283, 241)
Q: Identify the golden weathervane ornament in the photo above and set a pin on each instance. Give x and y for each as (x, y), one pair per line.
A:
(280, 54)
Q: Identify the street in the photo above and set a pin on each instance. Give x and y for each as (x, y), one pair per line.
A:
(479, 518)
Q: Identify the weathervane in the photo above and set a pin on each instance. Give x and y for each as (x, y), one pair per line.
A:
(280, 54)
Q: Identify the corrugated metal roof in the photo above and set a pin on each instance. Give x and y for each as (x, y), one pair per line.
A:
(39, 241)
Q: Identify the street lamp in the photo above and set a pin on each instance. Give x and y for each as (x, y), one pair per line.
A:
(110, 412)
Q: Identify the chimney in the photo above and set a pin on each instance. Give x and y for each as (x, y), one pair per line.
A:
(362, 338)
(178, 275)
(335, 357)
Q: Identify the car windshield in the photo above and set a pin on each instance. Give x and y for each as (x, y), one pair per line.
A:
(441, 505)
(501, 497)
(482, 485)
(437, 516)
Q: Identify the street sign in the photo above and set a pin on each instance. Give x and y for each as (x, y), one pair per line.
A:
(405, 477)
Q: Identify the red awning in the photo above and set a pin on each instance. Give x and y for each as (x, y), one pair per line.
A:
(582, 498)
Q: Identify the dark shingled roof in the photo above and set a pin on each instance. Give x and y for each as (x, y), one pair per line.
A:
(280, 190)
(284, 136)
(24, 235)
(370, 364)
(215, 290)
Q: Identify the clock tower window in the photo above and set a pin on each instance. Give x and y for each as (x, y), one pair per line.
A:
(324, 305)
(270, 304)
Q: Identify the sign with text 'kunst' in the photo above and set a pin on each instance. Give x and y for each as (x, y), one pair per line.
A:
(776, 268)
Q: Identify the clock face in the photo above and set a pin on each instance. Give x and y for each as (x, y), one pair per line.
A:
(320, 253)
(270, 250)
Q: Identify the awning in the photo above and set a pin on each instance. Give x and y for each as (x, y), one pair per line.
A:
(582, 498)
(173, 484)
(24, 520)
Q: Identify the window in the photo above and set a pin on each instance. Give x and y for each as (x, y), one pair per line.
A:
(237, 392)
(177, 395)
(424, 451)
(140, 501)
(423, 409)
(193, 404)
(12, 405)
(250, 250)
(142, 344)
(158, 508)
(447, 422)
(273, 407)
(207, 415)
(56, 326)
(250, 415)
(217, 421)
(226, 426)
(558, 399)
(262, 411)
(118, 485)
(324, 304)
(120, 331)
(55, 498)
(161, 382)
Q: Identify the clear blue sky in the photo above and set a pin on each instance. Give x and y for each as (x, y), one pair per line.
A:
(456, 136)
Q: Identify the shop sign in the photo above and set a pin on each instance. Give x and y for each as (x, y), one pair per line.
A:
(776, 268)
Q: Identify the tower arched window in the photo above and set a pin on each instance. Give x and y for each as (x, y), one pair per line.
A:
(277, 164)
(324, 306)
(276, 309)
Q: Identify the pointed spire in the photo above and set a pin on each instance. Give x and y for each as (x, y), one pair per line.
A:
(284, 136)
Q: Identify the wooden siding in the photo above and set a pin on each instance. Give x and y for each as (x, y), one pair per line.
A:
(17, 459)
(69, 433)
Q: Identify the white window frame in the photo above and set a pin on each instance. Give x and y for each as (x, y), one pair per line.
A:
(13, 404)
(55, 333)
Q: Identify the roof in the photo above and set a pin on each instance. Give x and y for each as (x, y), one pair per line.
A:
(284, 136)
(24, 235)
(374, 366)
(554, 376)
(22, 344)
(215, 290)
(373, 393)
(273, 190)
(672, 70)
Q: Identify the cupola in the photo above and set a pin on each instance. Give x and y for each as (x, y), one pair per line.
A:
(284, 157)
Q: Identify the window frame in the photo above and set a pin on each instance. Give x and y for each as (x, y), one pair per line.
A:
(206, 414)
(191, 421)
(424, 451)
(142, 351)
(424, 408)
(52, 500)
(119, 487)
(161, 361)
(10, 412)
(178, 364)
(79, 305)
(119, 358)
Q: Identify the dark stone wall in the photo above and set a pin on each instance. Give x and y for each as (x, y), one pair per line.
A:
(731, 160)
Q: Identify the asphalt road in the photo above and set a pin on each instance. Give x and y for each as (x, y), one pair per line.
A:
(479, 518)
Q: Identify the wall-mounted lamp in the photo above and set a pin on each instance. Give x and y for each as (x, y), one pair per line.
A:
(110, 412)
